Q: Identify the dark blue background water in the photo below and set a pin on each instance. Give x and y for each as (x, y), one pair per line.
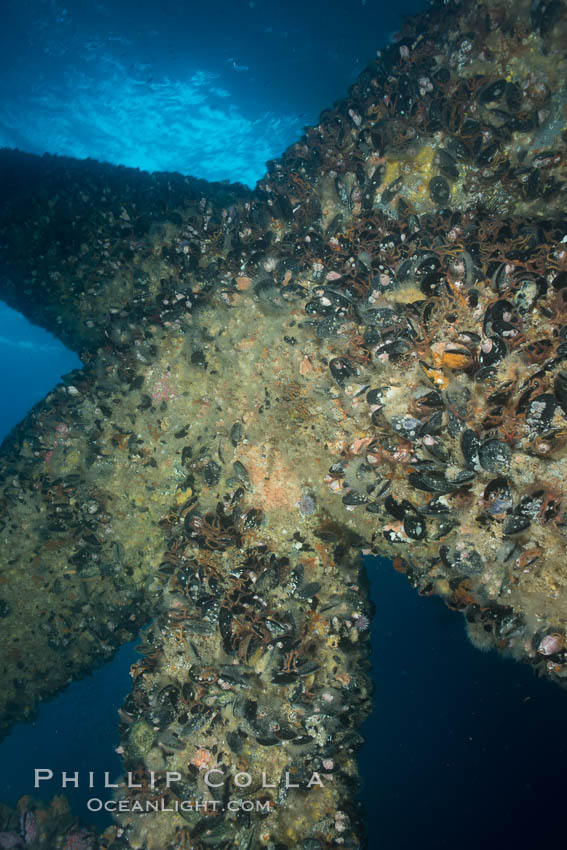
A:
(464, 749)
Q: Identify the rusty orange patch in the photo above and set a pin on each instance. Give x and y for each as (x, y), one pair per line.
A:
(275, 484)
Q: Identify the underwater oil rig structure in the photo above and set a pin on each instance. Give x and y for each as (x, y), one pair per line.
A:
(366, 353)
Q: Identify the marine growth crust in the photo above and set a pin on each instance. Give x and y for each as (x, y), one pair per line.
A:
(366, 353)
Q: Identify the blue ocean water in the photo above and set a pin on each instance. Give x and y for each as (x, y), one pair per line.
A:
(463, 748)
(31, 363)
(212, 90)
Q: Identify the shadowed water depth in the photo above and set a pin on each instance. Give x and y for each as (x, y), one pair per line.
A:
(364, 353)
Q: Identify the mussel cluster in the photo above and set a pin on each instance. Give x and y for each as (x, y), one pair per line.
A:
(45, 826)
(254, 671)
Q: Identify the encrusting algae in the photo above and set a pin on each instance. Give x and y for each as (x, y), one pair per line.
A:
(365, 353)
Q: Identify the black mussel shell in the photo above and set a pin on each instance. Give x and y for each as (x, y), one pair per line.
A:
(459, 149)
(515, 524)
(487, 154)
(435, 508)
(431, 481)
(341, 369)
(439, 190)
(498, 488)
(540, 410)
(470, 446)
(432, 399)
(560, 389)
(513, 96)
(495, 456)
(376, 396)
(212, 473)
(394, 349)
(492, 351)
(331, 326)
(236, 434)
(447, 164)
(415, 527)
(355, 497)
(398, 509)
(493, 91)
(433, 425)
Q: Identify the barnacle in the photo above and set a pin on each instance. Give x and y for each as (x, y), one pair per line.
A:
(387, 315)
